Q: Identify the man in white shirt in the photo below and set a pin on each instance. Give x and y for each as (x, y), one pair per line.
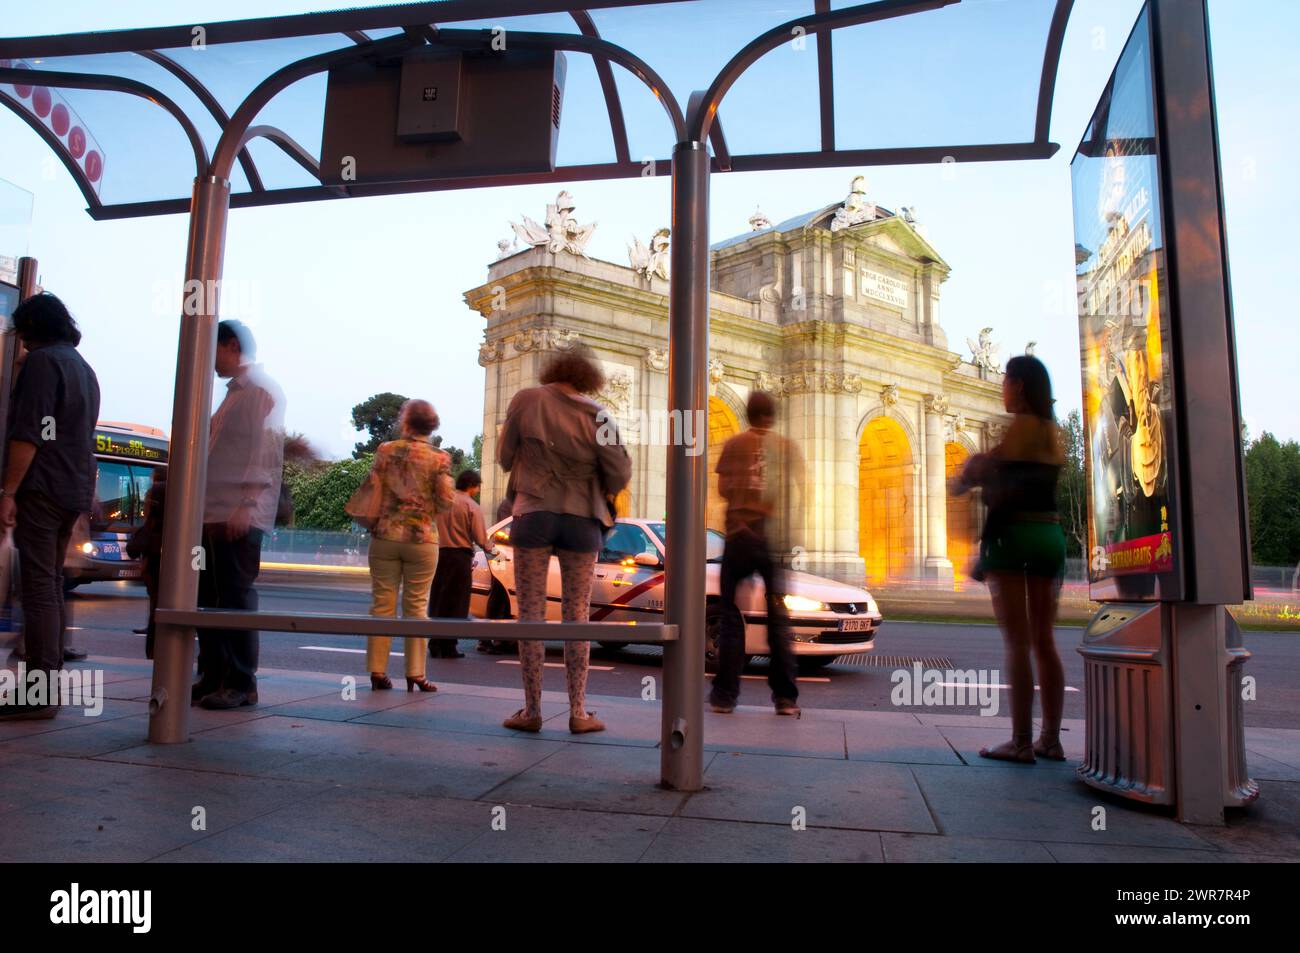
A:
(245, 464)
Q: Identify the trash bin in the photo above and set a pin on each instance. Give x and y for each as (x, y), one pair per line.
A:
(1131, 684)
(1128, 698)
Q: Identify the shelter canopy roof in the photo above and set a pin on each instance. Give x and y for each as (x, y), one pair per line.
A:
(136, 114)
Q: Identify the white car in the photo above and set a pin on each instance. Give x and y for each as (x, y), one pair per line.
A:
(827, 618)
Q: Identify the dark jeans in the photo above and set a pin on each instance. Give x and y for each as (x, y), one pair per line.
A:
(449, 594)
(41, 537)
(744, 555)
(228, 657)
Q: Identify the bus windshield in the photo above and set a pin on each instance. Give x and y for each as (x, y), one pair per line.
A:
(119, 496)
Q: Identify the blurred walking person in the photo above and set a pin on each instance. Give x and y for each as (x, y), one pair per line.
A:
(245, 465)
(1022, 554)
(564, 476)
(759, 475)
(48, 482)
(145, 545)
(409, 484)
(460, 529)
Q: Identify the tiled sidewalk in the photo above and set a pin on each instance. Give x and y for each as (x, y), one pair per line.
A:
(309, 776)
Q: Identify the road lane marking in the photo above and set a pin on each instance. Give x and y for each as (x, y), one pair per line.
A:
(593, 668)
(330, 648)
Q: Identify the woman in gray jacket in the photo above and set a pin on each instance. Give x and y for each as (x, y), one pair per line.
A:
(562, 473)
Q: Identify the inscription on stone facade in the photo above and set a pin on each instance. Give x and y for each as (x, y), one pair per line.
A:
(890, 290)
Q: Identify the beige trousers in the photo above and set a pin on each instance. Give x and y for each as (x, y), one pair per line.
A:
(409, 567)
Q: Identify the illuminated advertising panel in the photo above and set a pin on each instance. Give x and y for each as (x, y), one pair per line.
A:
(1124, 328)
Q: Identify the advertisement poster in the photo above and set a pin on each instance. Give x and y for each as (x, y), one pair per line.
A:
(1124, 326)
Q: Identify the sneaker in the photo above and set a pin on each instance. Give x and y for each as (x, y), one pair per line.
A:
(721, 709)
(786, 707)
(521, 722)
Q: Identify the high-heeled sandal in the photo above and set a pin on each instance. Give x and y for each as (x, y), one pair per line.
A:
(380, 683)
(1010, 751)
(1052, 752)
(422, 683)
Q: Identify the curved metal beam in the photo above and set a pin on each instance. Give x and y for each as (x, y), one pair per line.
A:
(286, 142)
(56, 144)
(702, 118)
(210, 103)
(1051, 62)
(592, 46)
(113, 84)
(233, 137)
(613, 105)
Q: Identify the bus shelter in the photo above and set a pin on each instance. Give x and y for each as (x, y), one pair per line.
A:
(203, 118)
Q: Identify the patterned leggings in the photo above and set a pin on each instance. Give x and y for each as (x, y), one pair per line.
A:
(575, 585)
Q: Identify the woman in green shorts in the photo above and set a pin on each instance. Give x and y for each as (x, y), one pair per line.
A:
(1022, 554)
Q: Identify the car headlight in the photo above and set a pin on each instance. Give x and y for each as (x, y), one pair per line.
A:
(803, 604)
(872, 608)
(88, 548)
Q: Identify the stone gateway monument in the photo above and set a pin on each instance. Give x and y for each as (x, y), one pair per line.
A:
(835, 312)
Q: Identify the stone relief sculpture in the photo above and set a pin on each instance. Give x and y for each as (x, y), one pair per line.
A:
(856, 208)
(936, 403)
(652, 261)
(561, 231)
(955, 425)
(656, 358)
(543, 339)
(889, 395)
(716, 370)
(617, 394)
(984, 352)
(489, 352)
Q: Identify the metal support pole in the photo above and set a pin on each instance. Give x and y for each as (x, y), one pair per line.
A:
(169, 702)
(1201, 721)
(682, 750)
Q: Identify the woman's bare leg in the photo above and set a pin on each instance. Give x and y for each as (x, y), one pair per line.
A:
(1009, 604)
(1043, 595)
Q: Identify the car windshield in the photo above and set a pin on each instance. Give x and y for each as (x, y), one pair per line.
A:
(713, 541)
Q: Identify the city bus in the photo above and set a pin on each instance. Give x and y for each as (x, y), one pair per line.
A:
(127, 456)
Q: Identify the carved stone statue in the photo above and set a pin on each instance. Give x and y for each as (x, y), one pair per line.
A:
(656, 358)
(758, 221)
(652, 262)
(936, 403)
(716, 370)
(984, 352)
(561, 232)
(889, 395)
(489, 352)
(1029, 348)
(856, 208)
(506, 247)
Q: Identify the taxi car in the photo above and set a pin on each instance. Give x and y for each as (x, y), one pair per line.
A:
(828, 619)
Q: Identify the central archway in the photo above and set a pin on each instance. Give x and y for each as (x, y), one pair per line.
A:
(885, 516)
(723, 425)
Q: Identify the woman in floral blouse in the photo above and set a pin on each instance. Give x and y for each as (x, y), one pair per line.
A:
(413, 480)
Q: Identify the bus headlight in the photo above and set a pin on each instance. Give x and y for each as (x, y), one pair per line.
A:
(803, 604)
(88, 548)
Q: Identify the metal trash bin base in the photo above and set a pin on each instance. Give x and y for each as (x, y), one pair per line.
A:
(1131, 685)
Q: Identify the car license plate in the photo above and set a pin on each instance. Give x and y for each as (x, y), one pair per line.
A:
(855, 625)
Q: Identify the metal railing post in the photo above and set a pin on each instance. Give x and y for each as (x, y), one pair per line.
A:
(682, 749)
(169, 701)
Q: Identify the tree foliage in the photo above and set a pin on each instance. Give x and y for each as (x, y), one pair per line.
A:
(319, 493)
(1072, 489)
(1273, 492)
(377, 416)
